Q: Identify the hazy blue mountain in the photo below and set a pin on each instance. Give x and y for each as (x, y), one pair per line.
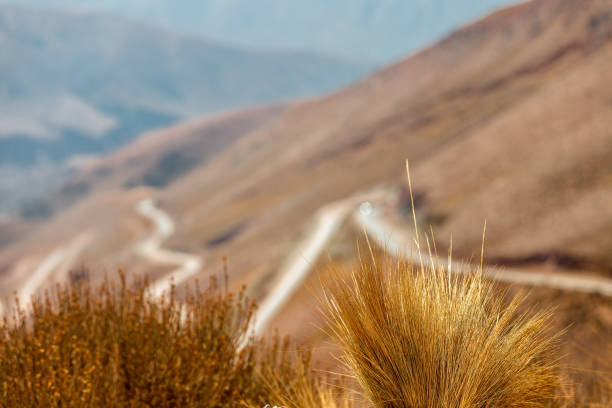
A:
(373, 30)
(83, 81)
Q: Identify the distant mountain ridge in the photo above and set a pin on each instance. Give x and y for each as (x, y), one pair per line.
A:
(82, 81)
(366, 30)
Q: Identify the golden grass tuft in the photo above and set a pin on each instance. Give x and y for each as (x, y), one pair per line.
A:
(417, 336)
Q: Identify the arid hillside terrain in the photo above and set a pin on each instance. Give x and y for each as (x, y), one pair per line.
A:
(506, 119)
(157, 158)
(80, 82)
(503, 120)
(100, 202)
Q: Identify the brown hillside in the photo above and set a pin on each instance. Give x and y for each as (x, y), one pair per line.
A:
(506, 118)
(160, 157)
(11, 230)
(99, 202)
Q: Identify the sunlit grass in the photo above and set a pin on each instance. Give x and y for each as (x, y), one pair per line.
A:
(412, 336)
(417, 336)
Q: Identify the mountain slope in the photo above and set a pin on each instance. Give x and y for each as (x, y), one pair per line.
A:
(503, 68)
(99, 203)
(155, 159)
(76, 81)
(500, 135)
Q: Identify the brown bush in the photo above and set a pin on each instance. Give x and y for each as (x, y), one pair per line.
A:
(116, 346)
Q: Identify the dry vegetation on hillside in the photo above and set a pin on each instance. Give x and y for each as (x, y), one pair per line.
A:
(116, 346)
(412, 336)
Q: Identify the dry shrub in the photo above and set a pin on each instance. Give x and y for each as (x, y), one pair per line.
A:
(118, 346)
(115, 346)
(417, 336)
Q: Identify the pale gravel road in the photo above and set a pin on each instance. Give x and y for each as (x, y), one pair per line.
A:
(397, 242)
(327, 221)
(400, 242)
(188, 265)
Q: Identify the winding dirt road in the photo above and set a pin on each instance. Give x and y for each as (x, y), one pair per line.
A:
(327, 221)
(398, 242)
(189, 265)
(395, 241)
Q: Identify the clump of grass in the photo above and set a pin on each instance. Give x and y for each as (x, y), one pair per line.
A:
(417, 336)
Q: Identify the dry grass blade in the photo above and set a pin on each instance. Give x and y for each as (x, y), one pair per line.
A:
(414, 336)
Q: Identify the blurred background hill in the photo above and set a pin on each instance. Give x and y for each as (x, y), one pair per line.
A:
(82, 77)
(374, 31)
(515, 132)
(84, 82)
